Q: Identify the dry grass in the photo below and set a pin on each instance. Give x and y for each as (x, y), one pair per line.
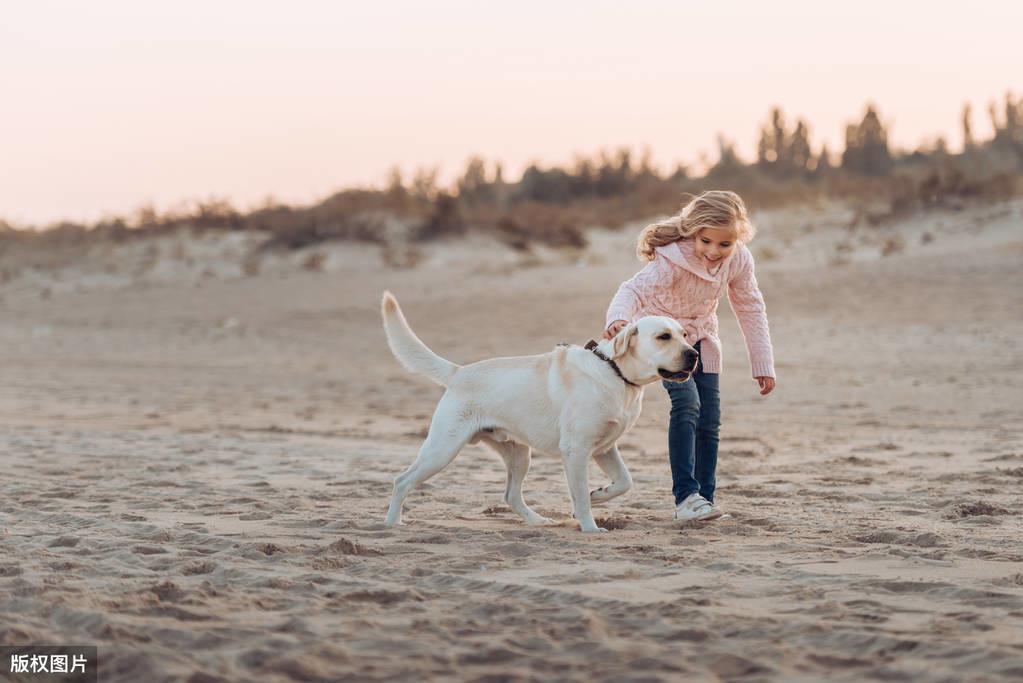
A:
(553, 205)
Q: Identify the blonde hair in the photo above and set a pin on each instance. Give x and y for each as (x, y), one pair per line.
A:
(710, 209)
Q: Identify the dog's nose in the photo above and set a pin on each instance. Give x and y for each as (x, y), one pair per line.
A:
(690, 356)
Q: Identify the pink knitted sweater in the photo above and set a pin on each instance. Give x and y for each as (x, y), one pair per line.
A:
(677, 285)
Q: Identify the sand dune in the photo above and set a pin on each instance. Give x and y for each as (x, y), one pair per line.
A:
(197, 462)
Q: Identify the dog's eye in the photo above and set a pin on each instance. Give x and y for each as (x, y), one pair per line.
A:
(664, 336)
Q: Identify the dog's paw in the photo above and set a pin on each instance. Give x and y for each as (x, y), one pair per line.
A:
(540, 520)
(595, 530)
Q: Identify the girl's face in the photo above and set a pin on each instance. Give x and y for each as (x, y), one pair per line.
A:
(714, 245)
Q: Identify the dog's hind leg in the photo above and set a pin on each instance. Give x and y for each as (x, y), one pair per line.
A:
(611, 464)
(516, 458)
(449, 432)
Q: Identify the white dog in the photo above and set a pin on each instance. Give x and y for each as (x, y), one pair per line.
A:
(573, 401)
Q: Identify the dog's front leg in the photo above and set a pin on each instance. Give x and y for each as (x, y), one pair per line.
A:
(576, 461)
(611, 463)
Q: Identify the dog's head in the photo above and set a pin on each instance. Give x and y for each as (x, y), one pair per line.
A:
(654, 347)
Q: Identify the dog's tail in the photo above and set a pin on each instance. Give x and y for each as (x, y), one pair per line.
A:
(410, 351)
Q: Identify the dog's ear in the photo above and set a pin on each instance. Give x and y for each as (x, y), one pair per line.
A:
(623, 340)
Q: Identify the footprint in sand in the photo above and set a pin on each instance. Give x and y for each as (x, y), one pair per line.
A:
(148, 550)
(64, 542)
(926, 539)
(197, 568)
(878, 447)
(344, 546)
(974, 509)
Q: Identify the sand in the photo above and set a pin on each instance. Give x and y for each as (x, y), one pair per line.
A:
(197, 462)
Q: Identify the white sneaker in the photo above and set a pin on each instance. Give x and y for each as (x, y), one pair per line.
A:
(696, 508)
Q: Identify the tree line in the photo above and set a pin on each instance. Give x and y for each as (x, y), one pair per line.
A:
(553, 204)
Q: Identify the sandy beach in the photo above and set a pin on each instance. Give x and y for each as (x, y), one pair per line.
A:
(198, 448)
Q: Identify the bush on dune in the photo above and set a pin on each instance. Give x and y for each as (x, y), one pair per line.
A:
(552, 205)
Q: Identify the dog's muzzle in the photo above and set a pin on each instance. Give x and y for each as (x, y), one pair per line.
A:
(680, 376)
(689, 359)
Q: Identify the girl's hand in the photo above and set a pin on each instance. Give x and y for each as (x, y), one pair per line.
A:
(766, 385)
(614, 328)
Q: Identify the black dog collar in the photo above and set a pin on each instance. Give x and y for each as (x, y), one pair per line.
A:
(592, 346)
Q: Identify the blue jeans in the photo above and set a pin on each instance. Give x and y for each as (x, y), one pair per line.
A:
(693, 433)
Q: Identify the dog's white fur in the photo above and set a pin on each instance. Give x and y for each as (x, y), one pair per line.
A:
(567, 401)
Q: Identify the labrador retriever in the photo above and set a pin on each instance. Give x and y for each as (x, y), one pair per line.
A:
(572, 401)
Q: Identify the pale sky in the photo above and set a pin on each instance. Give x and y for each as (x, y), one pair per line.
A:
(108, 105)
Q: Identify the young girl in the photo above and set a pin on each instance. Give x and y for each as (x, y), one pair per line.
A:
(694, 257)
